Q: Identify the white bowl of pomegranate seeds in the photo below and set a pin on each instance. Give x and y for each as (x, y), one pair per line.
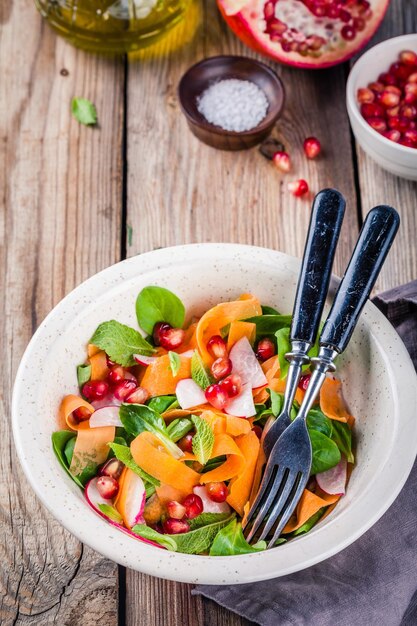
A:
(382, 104)
(376, 373)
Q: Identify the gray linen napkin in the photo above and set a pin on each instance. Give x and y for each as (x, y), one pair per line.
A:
(373, 582)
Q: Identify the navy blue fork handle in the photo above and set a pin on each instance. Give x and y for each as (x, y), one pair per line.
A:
(313, 283)
(375, 239)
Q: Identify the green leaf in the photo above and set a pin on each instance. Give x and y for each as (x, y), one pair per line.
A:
(342, 436)
(83, 374)
(284, 346)
(124, 455)
(207, 518)
(156, 304)
(203, 440)
(213, 463)
(316, 420)
(84, 111)
(268, 325)
(276, 402)
(178, 428)
(174, 362)
(160, 404)
(326, 454)
(308, 525)
(199, 540)
(111, 512)
(269, 310)
(137, 418)
(69, 449)
(167, 541)
(199, 373)
(230, 540)
(120, 342)
(60, 440)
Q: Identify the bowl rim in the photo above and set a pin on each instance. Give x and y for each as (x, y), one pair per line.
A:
(352, 105)
(298, 554)
(263, 126)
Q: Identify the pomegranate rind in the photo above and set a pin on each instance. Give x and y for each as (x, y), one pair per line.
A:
(246, 20)
(333, 481)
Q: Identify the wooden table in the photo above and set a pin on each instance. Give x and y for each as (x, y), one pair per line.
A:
(75, 200)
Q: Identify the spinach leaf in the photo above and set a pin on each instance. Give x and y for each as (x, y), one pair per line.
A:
(268, 325)
(124, 455)
(284, 346)
(277, 401)
(204, 519)
(83, 374)
(84, 111)
(308, 525)
(156, 304)
(200, 539)
(174, 362)
(60, 439)
(326, 454)
(213, 463)
(111, 512)
(199, 373)
(230, 540)
(178, 428)
(342, 436)
(203, 440)
(137, 418)
(167, 541)
(69, 449)
(269, 310)
(120, 342)
(160, 404)
(316, 420)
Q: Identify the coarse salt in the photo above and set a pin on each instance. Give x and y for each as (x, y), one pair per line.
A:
(233, 104)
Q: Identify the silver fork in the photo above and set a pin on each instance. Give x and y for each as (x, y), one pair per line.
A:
(288, 467)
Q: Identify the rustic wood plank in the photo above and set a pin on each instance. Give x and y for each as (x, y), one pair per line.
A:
(378, 186)
(60, 213)
(181, 191)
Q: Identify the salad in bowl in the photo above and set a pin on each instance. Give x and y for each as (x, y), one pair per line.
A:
(164, 436)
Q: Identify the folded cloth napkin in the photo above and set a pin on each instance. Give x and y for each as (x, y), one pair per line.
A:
(373, 582)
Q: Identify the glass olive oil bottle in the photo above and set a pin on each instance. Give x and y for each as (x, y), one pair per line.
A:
(112, 25)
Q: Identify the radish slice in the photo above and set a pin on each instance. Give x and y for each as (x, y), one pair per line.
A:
(188, 354)
(189, 394)
(144, 360)
(246, 364)
(131, 499)
(333, 481)
(208, 505)
(129, 376)
(109, 400)
(242, 405)
(106, 416)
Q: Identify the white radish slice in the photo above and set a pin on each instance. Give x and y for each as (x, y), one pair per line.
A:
(144, 360)
(246, 365)
(188, 354)
(131, 500)
(241, 405)
(109, 400)
(106, 416)
(333, 481)
(189, 394)
(129, 376)
(208, 505)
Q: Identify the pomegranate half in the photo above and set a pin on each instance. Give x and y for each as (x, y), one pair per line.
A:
(305, 33)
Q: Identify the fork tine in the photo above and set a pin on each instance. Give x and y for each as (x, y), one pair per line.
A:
(266, 503)
(269, 470)
(279, 505)
(289, 509)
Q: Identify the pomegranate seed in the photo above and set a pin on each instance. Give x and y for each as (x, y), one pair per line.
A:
(221, 368)
(408, 57)
(282, 161)
(257, 430)
(344, 15)
(398, 123)
(124, 389)
(265, 349)
(231, 385)
(411, 88)
(81, 414)
(116, 374)
(412, 78)
(377, 123)
(409, 111)
(298, 188)
(387, 78)
(411, 135)
(138, 396)
(393, 89)
(365, 95)
(193, 505)
(175, 509)
(372, 109)
(359, 24)
(216, 396)
(173, 526)
(217, 492)
(157, 329)
(312, 147)
(389, 99)
(109, 362)
(393, 111)
(406, 142)
(392, 135)
(410, 98)
(112, 468)
(95, 389)
(167, 337)
(348, 33)
(107, 487)
(376, 87)
(303, 382)
(216, 347)
(186, 443)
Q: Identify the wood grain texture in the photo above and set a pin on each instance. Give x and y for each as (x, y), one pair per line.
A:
(60, 196)
(380, 187)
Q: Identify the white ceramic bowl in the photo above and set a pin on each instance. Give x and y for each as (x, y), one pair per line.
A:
(377, 374)
(393, 157)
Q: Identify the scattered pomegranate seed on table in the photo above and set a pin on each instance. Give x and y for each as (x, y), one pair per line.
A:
(265, 349)
(221, 368)
(173, 526)
(282, 161)
(193, 505)
(312, 147)
(298, 188)
(217, 491)
(107, 487)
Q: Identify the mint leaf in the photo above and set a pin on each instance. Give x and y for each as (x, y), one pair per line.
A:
(156, 304)
(199, 373)
(84, 111)
(207, 518)
(284, 346)
(146, 532)
(120, 342)
(137, 418)
(124, 455)
(178, 428)
(174, 362)
(203, 440)
(111, 512)
(83, 374)
(230, 540)
(199, 540)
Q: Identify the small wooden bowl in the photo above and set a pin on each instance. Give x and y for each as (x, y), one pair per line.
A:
(203, 74)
